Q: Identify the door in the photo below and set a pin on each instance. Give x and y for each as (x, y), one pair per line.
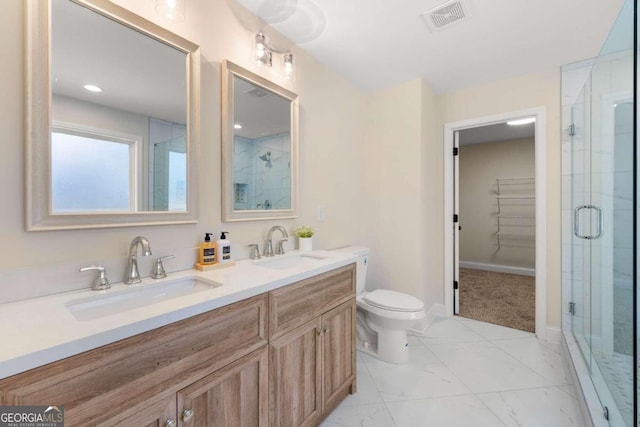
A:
(236, 395)
(456, 224)
(603, 242)
(338, 336)
(156, 413)
(295, 371)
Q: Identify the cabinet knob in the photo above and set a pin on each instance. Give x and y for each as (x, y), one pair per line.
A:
(170, 423)
(187, 414)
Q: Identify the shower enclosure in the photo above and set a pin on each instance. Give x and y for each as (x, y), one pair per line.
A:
(599, 236)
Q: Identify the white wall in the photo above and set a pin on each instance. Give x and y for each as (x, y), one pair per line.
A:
(330, 123)
(405, 240)
(525, 92)
(479, 166)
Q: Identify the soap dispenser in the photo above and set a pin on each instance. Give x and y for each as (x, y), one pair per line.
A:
(223, 248)
(207, 251)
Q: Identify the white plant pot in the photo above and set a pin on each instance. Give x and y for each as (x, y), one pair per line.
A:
(305, 244)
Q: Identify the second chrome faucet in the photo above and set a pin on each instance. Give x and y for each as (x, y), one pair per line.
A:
(268, 249)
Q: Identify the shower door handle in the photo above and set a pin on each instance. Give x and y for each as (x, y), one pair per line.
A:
(576, 222)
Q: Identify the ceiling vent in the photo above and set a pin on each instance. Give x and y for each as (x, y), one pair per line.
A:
(446, 14)
(257, 92)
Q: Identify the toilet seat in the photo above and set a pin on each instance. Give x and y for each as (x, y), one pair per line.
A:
(393, 301)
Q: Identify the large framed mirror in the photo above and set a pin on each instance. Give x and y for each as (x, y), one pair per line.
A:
(259, 147)
(112, 118)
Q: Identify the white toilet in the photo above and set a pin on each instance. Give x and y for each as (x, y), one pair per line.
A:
(383, 316)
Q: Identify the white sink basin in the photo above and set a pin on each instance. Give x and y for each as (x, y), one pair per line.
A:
(282, 262)
(112, 302)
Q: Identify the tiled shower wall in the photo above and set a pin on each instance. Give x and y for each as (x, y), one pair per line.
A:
(256, 185)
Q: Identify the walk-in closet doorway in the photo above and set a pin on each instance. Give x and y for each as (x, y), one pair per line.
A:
(495, 224)
(495, 183)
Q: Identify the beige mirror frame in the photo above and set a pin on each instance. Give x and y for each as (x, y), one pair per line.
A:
(37, 131)
(229, 72)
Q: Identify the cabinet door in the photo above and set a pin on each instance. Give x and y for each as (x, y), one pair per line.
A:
(295, 377)
(338, 333)
(236, 395)
(157, 413)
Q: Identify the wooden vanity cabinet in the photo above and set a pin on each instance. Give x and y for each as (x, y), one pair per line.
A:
(284, 358)
(312, 347)
(157, 412)
(137, 381)
(233, 396)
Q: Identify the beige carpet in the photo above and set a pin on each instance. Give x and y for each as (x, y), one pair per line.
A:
(499, 298)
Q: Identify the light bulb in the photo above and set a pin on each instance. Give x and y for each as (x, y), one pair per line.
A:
(260, 50)
(288, 65)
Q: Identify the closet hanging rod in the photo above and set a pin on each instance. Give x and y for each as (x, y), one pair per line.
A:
(517, 179)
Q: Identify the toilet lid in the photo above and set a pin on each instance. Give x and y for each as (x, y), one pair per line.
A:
(392, 300)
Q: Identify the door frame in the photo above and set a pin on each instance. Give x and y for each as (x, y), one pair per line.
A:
(541, 207)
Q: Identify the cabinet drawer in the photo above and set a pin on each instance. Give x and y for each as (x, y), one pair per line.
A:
(296, 304)
(118, 378)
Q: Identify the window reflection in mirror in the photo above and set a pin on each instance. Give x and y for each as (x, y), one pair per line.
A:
(138, 88)
(91, 170)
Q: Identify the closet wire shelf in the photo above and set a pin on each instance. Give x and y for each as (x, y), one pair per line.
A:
(516, 219)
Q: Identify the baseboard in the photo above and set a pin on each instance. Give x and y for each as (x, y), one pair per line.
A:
(553, 335)
(436, 310)
(498, 268)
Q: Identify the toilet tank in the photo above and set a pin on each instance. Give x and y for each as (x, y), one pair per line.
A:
(361, 265)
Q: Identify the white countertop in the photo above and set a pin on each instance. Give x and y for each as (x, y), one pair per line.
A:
(42, 330)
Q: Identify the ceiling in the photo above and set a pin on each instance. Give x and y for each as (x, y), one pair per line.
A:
(379, 43)
(259, 111)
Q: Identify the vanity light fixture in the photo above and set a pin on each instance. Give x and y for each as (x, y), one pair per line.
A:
(264, 55)
(520, 122)
(171, 9)
(92, 88)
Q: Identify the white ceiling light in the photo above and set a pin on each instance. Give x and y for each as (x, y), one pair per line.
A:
(521, 122)
(237, 126)
(92, 88)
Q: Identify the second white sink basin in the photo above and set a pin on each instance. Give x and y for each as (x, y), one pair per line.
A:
(112, 302)
(282, 262)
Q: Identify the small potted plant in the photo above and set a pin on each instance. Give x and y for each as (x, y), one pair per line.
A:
(305, 238)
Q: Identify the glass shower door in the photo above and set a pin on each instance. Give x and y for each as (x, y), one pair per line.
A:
(603, 240)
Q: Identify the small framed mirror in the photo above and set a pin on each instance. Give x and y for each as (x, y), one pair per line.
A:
(112, 118)
(259, 147)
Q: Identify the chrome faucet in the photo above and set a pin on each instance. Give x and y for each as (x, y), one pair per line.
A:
(133, 275)
(268, 249)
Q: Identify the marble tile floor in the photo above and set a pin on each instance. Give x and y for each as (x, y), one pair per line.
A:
(464, 373)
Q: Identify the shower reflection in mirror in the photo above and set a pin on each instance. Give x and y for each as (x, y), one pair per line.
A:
(261, 172)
